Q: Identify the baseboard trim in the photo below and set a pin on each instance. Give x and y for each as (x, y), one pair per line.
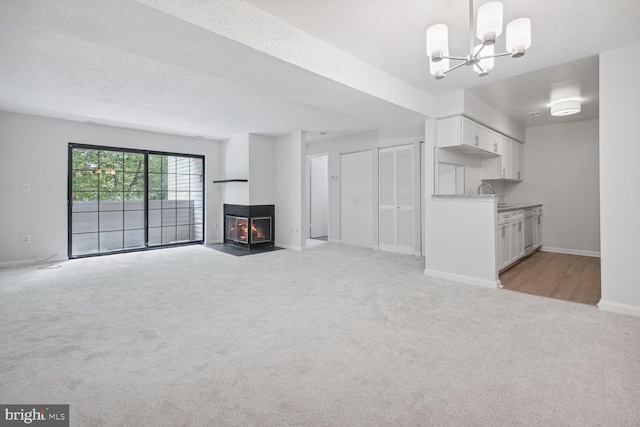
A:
(463, 279)
(336, 241)
(291, 247)
(571, 251)
(616, 307)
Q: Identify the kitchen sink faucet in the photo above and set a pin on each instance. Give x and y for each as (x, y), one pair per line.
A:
(483, 185)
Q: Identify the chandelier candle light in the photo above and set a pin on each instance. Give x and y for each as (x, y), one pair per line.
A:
(481, 57)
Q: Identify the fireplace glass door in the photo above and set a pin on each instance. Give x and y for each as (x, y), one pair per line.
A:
(260, 230)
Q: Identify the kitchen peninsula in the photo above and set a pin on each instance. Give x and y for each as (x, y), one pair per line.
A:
(471, 240)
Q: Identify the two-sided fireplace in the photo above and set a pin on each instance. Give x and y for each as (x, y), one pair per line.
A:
(249, 227)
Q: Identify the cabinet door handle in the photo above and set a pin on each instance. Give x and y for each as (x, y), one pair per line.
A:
(518, 174)
(520, 226)
(503, 227)
(503, 174)
(495, 147)
(475, 140)
(538, 220)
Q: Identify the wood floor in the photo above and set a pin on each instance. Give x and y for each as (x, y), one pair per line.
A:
(560, 276)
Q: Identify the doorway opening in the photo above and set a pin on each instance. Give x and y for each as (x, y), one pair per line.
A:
(317, 179)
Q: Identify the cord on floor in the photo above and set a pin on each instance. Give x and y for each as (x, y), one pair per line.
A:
(51, 263)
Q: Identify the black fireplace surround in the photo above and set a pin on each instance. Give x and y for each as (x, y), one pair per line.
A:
(249, 227)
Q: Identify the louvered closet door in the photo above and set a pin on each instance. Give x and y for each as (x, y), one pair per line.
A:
(396, 215)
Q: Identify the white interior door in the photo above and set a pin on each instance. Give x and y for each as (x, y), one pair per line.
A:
(356, 199)
(396, 207)
(319, 196)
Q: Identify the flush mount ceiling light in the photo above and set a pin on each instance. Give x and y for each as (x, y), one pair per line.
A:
(565, 107)
(481, 56)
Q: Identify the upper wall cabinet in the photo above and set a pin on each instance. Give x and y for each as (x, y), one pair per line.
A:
(464, 134)
(508, 165)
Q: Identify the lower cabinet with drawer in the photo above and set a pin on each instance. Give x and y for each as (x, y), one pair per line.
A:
(510, 231)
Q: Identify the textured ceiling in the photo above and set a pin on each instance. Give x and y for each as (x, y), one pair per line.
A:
(224, 67)
(391, 35)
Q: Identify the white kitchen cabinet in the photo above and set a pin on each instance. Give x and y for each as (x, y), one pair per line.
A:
(516, 161)
(508, 165)
(504, 241)
(510, 234)
(516, 248)
(396, 199)
(464, 134)
(537, 227)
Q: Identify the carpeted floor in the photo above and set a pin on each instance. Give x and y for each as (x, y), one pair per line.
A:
(330, 336)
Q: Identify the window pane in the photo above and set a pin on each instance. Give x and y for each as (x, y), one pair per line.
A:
(134, 205)
(134, 162)
(182, 233)
(183, 217)
(155, 163)
(111, 221)
(168, 164)
(107, 204)
(112, 160)
(83, 244)
(111, 241)
(111, 181)
(84, 159)
(133, 219)
(133, 239)
(155, 218)
(134, 181)
(155, 236)
(85, 181)
(85, 222)
(182, 165)
(168, 234)
(168, 217)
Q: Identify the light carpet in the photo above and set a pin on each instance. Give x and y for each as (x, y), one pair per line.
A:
(330, 336)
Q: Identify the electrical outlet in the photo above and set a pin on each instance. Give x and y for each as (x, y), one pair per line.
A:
(26, 188)
(26, 238)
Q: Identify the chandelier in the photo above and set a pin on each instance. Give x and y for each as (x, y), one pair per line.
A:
(481, 56)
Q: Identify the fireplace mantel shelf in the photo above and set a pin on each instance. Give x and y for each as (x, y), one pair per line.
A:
(222, 181)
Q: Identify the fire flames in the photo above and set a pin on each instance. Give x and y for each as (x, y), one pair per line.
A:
(255, 233)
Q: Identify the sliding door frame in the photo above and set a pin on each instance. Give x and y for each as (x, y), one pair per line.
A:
(146, 154)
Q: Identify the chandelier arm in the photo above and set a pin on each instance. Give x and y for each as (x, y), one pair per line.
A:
(455, 67)
(497, 55)
(476, 65)
(477, 54)
(457, 58)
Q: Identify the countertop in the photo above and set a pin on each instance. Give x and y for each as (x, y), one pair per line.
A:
(517, 207)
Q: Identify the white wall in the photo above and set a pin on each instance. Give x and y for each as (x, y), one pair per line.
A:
(620, 179)
(290, 190)
(360, 142)
(34, 150)
(262, 188)
(235, 163)
(561, 172)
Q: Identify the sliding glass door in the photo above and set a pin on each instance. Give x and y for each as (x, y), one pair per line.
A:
(122, 200)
